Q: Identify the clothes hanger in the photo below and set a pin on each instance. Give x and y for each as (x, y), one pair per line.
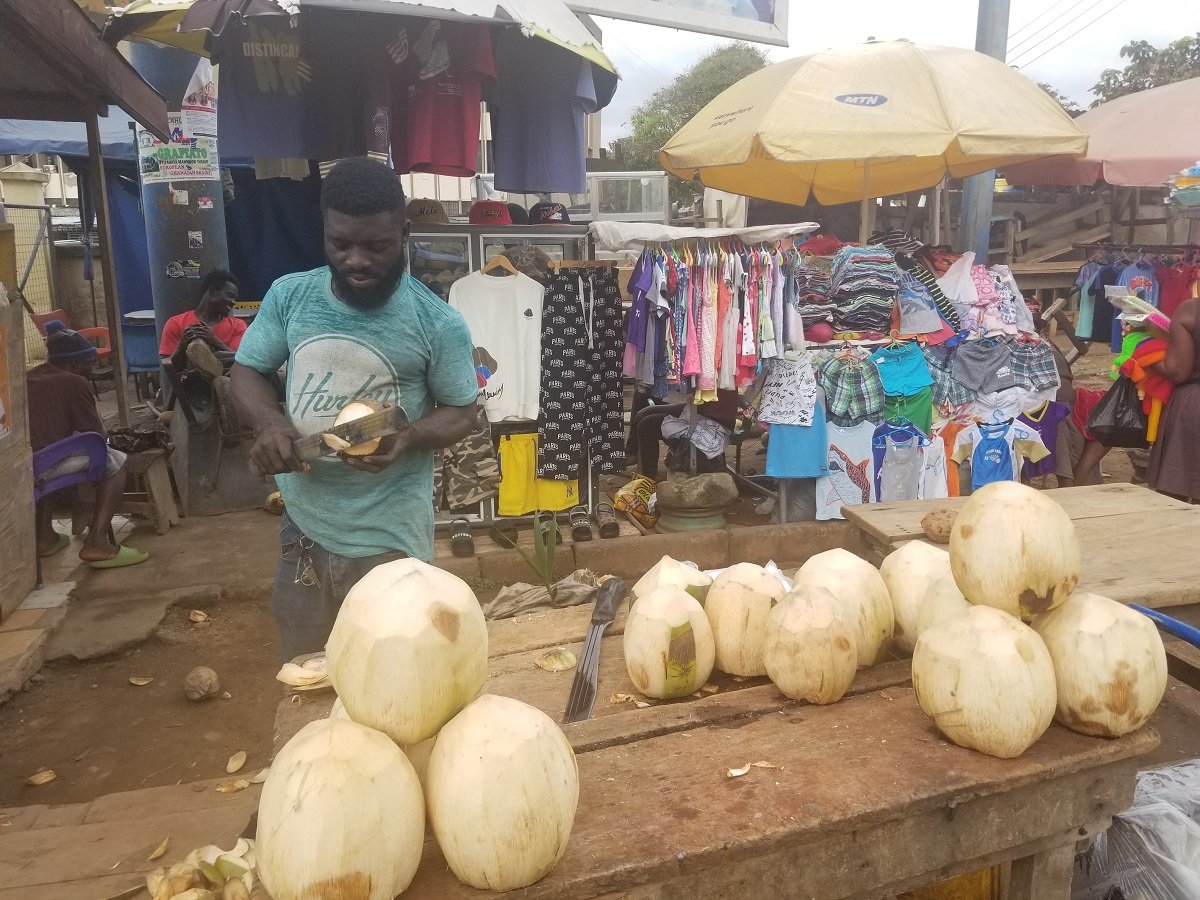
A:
(500, 261)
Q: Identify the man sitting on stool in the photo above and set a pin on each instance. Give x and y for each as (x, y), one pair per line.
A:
(206, 337)
(60, 405)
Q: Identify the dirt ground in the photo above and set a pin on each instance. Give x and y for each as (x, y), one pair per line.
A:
(100, 734)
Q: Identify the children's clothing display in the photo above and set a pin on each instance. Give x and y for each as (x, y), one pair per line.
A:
(504, 316)
(1045, 421)
(789, 391)
(903, 369)
(798, 451)
(853, 389)
(850, 476)
(996, 452)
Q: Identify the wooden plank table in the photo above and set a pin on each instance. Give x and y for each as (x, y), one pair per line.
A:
(864, 798)
(1138, 546)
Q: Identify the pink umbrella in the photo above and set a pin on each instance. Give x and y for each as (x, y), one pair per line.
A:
(1139, 140)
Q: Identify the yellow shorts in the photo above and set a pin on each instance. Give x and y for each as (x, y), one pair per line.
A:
(521, 491)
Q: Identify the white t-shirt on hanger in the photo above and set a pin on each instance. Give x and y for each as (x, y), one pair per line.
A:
(504, 316)
(851, 479)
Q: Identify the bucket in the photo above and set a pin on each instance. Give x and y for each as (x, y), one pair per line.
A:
(675, 520)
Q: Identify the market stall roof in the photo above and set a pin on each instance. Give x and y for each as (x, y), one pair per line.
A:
(21, 136)
(53, 66)
(175, 23)
(1139, 140)
(611, 236)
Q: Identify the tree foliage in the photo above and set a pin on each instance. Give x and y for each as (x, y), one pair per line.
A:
(1149, 67)
(1070, 107)
(653, 122)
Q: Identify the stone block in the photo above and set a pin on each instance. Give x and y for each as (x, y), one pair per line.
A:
(789, 545)
(24, 619)
(630, 557)
(21, 655)
(465, 567)
(508, 567)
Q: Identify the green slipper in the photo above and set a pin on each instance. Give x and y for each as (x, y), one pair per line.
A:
(126, 556)
(62, 541)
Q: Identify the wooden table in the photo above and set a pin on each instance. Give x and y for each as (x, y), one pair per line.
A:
(1138, 546)
(864, 798)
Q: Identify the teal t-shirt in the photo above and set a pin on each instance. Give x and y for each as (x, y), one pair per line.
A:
(414, 351)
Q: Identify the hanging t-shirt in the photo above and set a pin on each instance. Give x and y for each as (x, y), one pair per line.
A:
(1139, 277)
(900, 470)
(504, 316)
(441, 70)
(798, 451)
(789, 391)
(851, 470)
(543, 95)
(996, 451)
(935, 477)
(1045, 421)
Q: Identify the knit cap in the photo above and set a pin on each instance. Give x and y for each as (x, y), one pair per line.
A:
(65, 345)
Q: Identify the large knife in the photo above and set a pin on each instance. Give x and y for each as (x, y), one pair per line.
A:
(608, 599)
(376, 425)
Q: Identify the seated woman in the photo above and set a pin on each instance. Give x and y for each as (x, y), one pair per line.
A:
(652, 424)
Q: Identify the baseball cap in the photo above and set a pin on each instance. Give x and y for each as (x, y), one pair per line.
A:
(517, 212)
(548, 214)
(427, 212)
(489, 212)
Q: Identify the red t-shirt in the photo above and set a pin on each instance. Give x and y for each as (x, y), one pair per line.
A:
(229, 330)
(60, 405)
(441, 70)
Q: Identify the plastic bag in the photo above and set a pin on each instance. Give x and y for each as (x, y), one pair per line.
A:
(1152, 850)
(636, 500)
(770, 568)
(1118, 419)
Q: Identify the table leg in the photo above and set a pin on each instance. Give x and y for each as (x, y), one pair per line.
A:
(1043, 876)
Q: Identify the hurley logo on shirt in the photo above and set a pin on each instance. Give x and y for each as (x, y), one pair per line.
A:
(328, 371)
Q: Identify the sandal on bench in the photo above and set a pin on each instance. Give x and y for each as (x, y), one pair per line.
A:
(581, 526)
(461, 542)
(606, 518)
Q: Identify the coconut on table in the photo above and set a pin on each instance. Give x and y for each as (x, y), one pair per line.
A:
(867, 774)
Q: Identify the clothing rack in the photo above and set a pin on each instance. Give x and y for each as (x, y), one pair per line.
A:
(1140, 248)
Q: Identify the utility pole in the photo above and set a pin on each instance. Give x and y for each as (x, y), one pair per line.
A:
(975, 223)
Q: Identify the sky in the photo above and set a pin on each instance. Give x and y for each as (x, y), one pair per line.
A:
(1075, 39)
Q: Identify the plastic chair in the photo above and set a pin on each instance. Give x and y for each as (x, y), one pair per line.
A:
(41, 320)
(44, 461)
(141, 355)
(98, 336)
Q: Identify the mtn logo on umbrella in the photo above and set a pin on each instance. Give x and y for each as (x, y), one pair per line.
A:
(869, 100)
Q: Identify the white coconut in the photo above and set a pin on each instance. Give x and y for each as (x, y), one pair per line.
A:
(860, 589)
(810, 651)
(1109, 663)
(1014, 548)
(908, 571)
(408, 650)
(986, 680)
(341, 815)
(669, 648)
(668, 571)
(942, 601)
(502, 787)
(737, 606)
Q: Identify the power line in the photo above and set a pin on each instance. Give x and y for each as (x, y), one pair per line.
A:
(1068, 37)
(1036, 19)
(1058, 23)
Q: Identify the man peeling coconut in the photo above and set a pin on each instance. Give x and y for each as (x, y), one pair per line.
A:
(357, 331)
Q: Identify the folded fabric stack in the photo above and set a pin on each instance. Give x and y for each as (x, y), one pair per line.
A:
(810, 292)
(864, 288)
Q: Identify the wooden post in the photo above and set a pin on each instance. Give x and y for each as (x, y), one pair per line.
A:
(112, 304)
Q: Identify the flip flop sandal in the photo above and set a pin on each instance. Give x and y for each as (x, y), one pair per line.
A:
(504, 535)
(548, 526)
(606, 518)
(61, 542)
(461, 542)
(581, 526)
(126, 556)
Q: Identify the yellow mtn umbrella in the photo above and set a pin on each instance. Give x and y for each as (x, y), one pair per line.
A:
(868, 121)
